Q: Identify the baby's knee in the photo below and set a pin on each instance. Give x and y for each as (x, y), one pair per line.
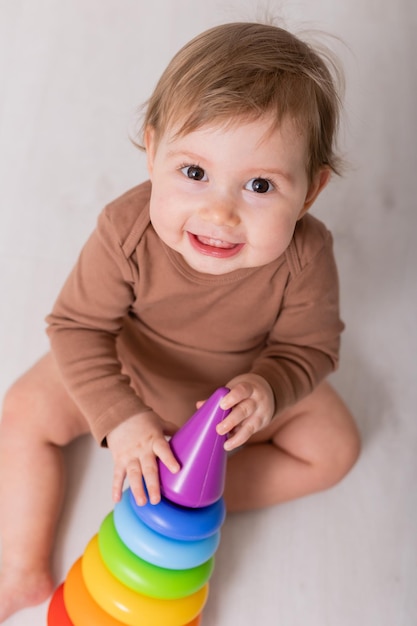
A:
(350, 449)
(18, 406)
(343, 455)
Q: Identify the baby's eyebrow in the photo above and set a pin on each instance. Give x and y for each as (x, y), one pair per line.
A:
(184, 155)
(274, 172)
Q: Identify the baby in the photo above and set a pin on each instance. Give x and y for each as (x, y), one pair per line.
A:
(212, 273)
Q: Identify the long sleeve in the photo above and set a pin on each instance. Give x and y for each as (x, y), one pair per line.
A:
(303, 345)
(83, 327)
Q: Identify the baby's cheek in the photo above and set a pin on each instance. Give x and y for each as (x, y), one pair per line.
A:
(274, 244)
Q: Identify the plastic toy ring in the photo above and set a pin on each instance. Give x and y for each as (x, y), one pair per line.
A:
(133, 608)
(144, 577)
(57, 613)
(175, 522)
(80, 606)
(157, 549)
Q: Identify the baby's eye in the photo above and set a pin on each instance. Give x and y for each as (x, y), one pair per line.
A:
(194, 172)
(259, 185)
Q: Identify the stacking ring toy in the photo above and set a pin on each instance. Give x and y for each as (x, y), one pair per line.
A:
(57, 613)
(156, 549)
(132, 608)
(144, 577)
(176, 522)
(80, 606)
(150, 565)
(84, 611)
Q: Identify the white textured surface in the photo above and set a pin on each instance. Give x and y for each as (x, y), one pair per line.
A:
(71, 76)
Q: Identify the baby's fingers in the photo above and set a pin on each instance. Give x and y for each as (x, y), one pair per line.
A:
(239, 414)
(241, 434)
(119, 475)
(163, 451)
(237, 394)
(144, 472)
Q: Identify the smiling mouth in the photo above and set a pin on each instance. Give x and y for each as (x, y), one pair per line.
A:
(214, 247)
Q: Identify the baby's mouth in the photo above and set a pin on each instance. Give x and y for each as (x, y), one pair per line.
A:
(210, 246)
(215, 243)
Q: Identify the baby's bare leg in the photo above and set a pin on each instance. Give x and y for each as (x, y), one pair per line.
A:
(38, 418)
(307, 448)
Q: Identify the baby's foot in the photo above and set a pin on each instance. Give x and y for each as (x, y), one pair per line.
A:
(19, 590)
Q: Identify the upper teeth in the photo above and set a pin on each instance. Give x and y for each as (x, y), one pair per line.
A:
(218, 243)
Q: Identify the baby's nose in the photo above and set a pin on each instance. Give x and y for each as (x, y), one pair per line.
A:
(221, 212)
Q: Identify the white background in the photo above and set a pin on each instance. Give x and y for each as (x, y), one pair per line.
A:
(71, 77)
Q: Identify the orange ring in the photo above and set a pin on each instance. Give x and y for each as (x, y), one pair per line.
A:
(133, 608)
(81, 608)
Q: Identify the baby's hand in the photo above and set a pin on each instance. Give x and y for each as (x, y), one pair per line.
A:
(253, 405)
(135, 445)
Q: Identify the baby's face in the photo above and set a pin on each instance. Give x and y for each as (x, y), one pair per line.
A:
(228, 198)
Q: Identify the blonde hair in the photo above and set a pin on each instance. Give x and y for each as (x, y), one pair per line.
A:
(246, 70)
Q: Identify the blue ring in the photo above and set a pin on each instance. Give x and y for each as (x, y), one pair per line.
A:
(157, 549)
(176, 522)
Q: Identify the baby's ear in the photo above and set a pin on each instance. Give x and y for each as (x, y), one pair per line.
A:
(149, 141)
(319, 182)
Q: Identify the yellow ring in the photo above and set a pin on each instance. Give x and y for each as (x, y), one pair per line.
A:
(130, 607)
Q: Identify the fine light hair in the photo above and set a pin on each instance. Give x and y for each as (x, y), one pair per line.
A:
(242, 71)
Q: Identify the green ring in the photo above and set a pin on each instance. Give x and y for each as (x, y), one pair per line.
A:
(144, 577)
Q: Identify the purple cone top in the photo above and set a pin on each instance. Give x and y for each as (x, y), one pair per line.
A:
(201, 455)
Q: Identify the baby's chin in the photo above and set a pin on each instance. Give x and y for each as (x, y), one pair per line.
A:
(213, 266)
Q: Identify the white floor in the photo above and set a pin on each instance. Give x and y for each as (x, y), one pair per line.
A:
(71, 76)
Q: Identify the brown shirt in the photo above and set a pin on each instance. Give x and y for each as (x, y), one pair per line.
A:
(134, 326)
